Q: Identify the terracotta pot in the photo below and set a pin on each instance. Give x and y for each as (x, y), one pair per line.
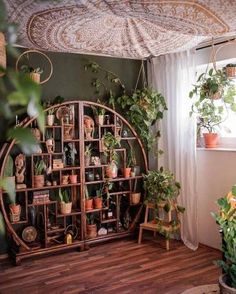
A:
(224, 288)
(91, 231)
(126, 172)
(88, 204)
(15, 208)
(50, 119)
(211, 140)
(231, 71)
(73, 179)
(135, 198)
(65, 207)
(35, 77)
(97, 202)
(39, 181)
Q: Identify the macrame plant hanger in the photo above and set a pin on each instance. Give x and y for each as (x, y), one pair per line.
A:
(144, 78)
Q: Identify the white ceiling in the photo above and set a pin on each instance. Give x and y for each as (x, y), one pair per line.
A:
(130, 29)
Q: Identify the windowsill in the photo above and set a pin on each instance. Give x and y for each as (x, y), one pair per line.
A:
(224, 149)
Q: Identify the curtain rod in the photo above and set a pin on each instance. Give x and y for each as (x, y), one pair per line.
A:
(219, 43)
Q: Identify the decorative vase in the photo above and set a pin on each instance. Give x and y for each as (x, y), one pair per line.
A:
(91, 231)
(112, 170)
(73, 179)
(50, 119)
(211, 140)
(38, 181)
(99, 119)
(65, 208)
(88, 204)
(97, 202)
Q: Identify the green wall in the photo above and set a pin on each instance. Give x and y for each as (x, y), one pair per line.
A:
(72, 82)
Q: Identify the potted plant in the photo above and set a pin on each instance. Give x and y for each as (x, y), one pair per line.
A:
(99, 113)
(50, 144)
(91, 227)
(88, 200)
(135, 169)
(65, 203)
(226, 219)
(162, 191)
(87, 155)
(127, 168)
(211, 86)
(109, 143)
(34, 73)
(39, 169)
(230, 70)
(50, 117)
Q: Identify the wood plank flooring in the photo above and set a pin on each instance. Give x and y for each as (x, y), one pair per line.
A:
(122, 267)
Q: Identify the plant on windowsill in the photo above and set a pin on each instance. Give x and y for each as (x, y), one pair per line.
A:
(162, 191)
(65, 203)
(215, 97)
(226, 219)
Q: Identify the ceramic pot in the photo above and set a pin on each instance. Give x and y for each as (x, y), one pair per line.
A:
(224, 288)
(97, 202)
(112, 170)
(50, 119)
(211, 140)
(38, 181)
(231, 71)
(88, 204)
(65, 208)
(91, 231)
(35, 77)
(73, 179)
(135, 198)
(99, 120)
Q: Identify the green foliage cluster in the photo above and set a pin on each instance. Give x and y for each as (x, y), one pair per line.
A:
(212, 112)
(39, 167)
(28, 69)
(110, 143)
(8, 170)
(226, 219)
(64, 196)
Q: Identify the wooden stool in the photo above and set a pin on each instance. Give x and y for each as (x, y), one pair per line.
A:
(153, 226)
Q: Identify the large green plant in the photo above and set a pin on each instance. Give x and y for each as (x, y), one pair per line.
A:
(20, 96)
(226, 219)
(110, 143)
(214, 96)
(141, 107)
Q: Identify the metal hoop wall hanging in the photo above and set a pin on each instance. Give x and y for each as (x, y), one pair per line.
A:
(44, 55)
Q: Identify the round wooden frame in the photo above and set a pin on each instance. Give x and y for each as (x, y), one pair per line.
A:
(41, 53)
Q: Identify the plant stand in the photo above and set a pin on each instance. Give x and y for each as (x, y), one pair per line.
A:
(164, 225)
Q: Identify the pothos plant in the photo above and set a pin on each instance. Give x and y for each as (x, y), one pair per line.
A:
(214, 96)
(142, 107)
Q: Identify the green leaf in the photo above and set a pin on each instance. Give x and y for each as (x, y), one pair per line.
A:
(17, 98)
(24, 138)
(6, 184)
(234, 190)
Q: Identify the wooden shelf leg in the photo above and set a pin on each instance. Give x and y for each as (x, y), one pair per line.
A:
(167, 244)
(140, 235)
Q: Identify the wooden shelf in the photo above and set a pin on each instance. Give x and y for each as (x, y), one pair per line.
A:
(107, 221)
(42, 204)
(96, 210)
(73, 212)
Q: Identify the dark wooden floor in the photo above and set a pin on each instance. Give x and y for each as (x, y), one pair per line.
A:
(117, 267)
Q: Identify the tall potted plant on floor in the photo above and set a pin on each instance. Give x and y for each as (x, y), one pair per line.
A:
(226, 219)
(214, 96)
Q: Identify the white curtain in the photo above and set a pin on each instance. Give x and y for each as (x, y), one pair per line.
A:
(173, 76)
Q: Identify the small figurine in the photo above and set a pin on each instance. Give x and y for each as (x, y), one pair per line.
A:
(20, 171)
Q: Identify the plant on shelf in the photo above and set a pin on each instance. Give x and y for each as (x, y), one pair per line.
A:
(99, 113)
(39, 169)
(127, 168)
(226, 219)
(65, 203)
(91, 227)
(109, 145)
(162, 191)
(214, 98)
(87, 155)
(50, 118)
(88, 199)
(105, 187)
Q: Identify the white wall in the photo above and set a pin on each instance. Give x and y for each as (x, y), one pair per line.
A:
(216, 171)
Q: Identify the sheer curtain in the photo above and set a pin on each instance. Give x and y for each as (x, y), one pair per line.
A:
(173, 76)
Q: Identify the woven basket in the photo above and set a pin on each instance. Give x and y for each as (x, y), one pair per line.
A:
(3, 58)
